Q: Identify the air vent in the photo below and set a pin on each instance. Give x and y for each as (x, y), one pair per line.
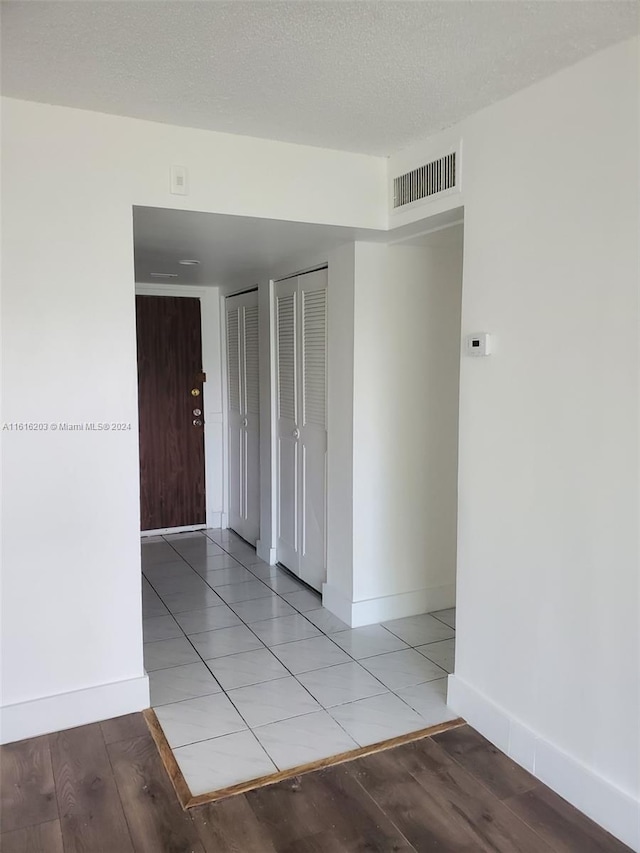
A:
(425, 181)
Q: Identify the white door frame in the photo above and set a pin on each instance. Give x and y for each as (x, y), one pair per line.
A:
(213, 415)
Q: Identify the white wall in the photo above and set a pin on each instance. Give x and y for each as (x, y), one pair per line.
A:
(340, 354)
(212, 364)
(394, 485)
(547, 660)
(407, 363)
(71, 573)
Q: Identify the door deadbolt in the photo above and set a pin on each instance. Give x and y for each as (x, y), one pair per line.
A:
(195, 392)
(197, 412)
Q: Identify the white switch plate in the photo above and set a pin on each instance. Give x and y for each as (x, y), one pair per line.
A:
(478, 345)
(178, 180)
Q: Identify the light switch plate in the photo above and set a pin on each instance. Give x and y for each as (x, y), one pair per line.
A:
(178, 184)
(478, 344)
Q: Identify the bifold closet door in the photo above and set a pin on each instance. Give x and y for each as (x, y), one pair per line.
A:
(301, 351)
(287, 461)
(243, 381)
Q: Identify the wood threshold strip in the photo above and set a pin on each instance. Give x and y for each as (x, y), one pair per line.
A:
(188, 801)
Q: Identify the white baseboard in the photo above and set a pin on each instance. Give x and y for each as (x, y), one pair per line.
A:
(162, 531)
(611, 807)
(265, 553)
(67, 710)
(214, 519)
(374, 610)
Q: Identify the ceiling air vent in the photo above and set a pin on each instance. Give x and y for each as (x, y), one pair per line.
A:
(425, 181)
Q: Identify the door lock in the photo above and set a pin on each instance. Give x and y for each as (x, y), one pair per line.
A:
(195, 392)
(296, 433)
(197, 412)
(197, 422)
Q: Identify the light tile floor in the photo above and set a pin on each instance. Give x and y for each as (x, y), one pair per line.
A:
(249, 674)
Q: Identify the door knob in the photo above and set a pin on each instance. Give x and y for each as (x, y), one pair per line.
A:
(244, 422)
(296, 433)
(197, 422)
(197, 412)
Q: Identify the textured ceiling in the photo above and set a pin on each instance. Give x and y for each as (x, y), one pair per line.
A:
(369, 76)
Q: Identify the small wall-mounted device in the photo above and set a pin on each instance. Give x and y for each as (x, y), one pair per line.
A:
(178, 180)
(478, 344)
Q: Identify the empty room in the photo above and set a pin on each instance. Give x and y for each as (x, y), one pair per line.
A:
(320, 512)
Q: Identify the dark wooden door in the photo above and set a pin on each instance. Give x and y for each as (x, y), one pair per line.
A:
(172, 484)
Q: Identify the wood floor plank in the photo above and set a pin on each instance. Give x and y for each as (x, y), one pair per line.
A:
(318, 843)
(286, 815)
(482, 759)
(357, 821)
(450, 792)
(321, 842)
(26, 784)
(329, 805)
(91, 813)
(156, 820)
(71, 793)
(230, 826)
(426, 821)
(561, 825)
(123, 728)
(490, 820)
(42, 838)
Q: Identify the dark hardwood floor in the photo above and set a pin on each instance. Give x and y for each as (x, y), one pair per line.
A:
(103, 789)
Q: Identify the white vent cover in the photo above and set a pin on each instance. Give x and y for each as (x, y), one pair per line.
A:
(425, 181)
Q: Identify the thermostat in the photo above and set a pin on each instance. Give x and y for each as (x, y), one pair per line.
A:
(479, 344)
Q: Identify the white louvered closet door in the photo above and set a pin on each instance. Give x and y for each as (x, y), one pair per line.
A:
(244, 415)
(301, 335)
(312, 290)
(287, 458)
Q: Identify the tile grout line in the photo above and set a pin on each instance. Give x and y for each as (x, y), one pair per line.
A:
(291, 674)
(322, 633)
(226, 692)
(321, 707)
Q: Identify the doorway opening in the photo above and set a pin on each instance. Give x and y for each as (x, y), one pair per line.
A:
(250, 674)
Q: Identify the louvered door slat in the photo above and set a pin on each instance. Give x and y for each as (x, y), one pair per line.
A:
(286, 337)
(314, 336)
(233, 357)
(251, 360)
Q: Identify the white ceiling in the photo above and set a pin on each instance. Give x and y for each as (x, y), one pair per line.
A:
(237, 251)
(232, 250)
(369, 76)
